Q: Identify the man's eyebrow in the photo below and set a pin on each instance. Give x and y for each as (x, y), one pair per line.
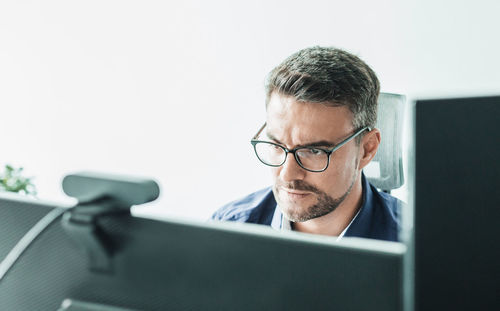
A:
(271, 137)
(320, 143)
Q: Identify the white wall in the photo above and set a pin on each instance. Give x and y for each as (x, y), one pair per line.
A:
(149, 87)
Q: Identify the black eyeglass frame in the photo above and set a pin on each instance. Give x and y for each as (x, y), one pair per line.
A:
(254, 141)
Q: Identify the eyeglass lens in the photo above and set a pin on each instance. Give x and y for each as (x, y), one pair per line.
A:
(274, 155)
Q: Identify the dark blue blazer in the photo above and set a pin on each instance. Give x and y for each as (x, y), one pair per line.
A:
(379, 216)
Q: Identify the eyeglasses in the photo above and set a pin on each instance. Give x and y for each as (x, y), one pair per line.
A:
(310, 158)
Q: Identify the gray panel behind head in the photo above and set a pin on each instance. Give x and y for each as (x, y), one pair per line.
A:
(385, 171)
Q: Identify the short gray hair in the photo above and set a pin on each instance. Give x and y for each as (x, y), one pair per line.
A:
(328, 76)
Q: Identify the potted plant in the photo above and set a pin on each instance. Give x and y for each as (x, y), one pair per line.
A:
(12, 180)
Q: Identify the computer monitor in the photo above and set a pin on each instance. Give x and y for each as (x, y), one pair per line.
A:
(15, 223)
(181, 265)
(457, 204)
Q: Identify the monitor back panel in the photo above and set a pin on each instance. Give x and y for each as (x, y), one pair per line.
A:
(457, 204)
(169, 265)
(16, 219)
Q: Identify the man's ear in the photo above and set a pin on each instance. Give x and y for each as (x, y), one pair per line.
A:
(368, 147)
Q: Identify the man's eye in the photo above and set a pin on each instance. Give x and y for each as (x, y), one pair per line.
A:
(311, 152)
(315, 151)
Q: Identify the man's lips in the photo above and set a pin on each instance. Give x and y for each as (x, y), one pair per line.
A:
(295, 194)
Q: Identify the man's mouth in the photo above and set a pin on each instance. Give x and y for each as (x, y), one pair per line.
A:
(293, 194)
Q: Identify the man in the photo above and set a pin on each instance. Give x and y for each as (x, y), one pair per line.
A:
(319, 134)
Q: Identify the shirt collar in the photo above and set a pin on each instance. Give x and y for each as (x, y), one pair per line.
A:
(276, 222)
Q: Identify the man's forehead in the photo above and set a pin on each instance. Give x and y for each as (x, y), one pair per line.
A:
(293, 122)
(285, 108)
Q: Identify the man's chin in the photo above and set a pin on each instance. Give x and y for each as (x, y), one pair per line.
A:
(295, 213)
(296, 207)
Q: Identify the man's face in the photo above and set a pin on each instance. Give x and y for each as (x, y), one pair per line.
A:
(304, 195)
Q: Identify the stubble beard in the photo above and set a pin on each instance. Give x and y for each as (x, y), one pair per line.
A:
(325, 203)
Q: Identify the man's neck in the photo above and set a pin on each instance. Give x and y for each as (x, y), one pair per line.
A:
(335, 222)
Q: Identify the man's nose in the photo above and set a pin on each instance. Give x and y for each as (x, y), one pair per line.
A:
(291, 170)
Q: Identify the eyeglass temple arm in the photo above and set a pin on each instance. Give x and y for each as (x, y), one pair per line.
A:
(366, 128)
(260, 130)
